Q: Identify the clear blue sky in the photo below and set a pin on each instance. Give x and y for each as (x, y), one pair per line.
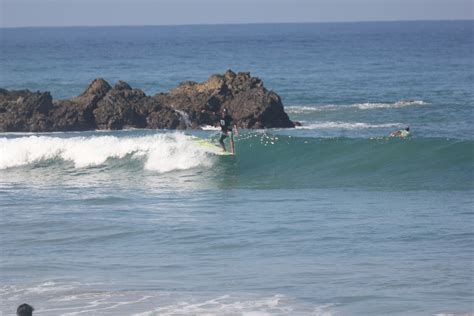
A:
(170, 12)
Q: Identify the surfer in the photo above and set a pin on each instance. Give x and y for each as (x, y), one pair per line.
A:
(226, 129)
(401, 133)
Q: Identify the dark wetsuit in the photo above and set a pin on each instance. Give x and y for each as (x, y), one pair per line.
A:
(226, 127)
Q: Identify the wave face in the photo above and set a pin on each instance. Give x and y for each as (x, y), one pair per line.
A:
(161, 153)
(263, 160)
(377, 162)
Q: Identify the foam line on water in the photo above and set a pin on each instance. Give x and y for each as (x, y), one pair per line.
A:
(346, 125)
(76, 298)
(297, 109)
(249, 306)
(162, 153)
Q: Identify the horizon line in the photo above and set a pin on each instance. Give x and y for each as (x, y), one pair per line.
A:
(235, 23)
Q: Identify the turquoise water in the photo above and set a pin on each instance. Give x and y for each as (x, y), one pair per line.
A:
(332, 218)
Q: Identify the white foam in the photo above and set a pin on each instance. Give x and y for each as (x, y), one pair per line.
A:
(399, 104)
(297, 109)
(52, 298)
(245, 306)
(184, 117)
(210, 128)
(162, 153)
(345, 125)
(361, 106)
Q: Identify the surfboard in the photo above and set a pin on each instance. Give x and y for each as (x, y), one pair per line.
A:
(404, 134)
(217, 150)
(400, 134)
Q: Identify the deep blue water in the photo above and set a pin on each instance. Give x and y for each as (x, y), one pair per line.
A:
(333, 218)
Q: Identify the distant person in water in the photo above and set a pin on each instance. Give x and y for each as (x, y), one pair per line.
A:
(25, 310)
(227, 125)
(401, 133)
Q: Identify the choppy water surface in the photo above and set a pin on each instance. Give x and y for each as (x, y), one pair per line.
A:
(332, 218)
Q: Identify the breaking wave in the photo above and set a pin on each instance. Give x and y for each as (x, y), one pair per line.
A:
(263, 160)
(161, 153)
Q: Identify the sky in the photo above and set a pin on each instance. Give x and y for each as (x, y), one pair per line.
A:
(20, 13)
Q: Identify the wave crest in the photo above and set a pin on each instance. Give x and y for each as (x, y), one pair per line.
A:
(161, 153)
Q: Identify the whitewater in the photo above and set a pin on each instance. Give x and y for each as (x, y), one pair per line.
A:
(162, 153)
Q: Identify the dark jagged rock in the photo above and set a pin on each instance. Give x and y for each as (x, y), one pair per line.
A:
(122, 85)
(120, 109)
(25, 111)
(100, 106)
(77, 114)
(165, 119)
(249, 102)
(97, 88)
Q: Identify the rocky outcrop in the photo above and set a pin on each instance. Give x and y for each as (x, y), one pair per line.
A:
(189, 105)
(25, 111)
(77, 114)
(248, 101)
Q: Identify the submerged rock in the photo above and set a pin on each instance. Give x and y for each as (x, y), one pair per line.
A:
(189, 105)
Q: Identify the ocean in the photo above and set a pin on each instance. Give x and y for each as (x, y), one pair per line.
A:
(330, 218)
